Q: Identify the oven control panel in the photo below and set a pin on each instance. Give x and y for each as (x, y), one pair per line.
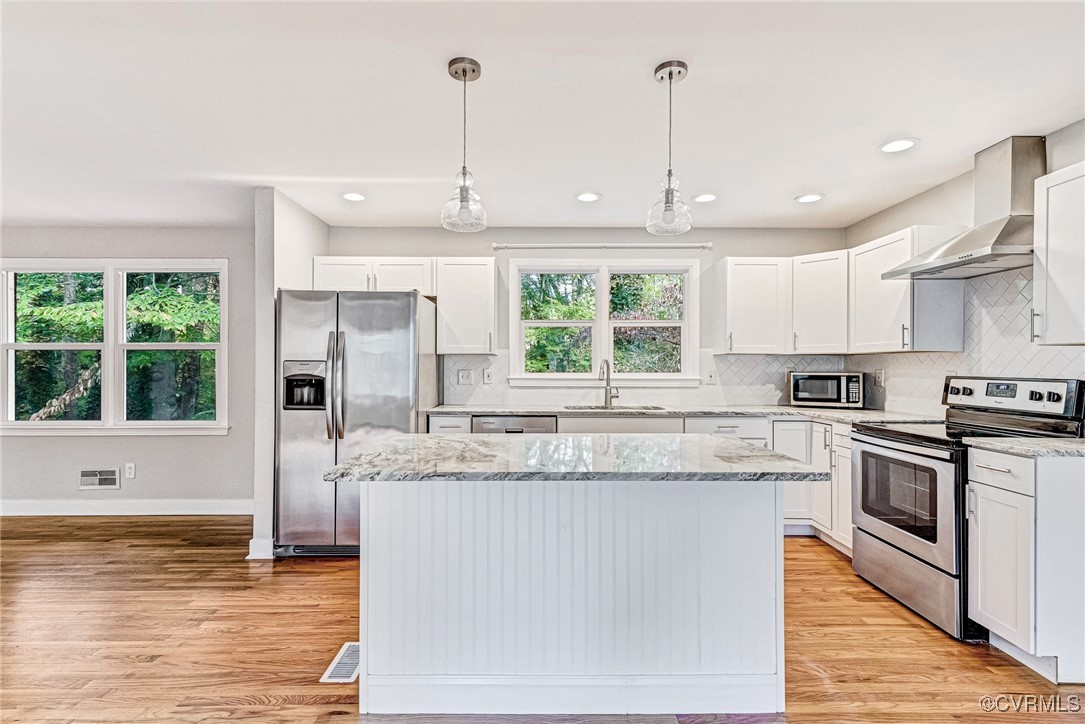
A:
(1040, 396)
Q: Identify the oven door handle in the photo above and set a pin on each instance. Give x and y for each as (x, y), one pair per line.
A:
(927, 452)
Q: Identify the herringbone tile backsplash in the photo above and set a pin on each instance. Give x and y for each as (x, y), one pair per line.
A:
(997, 309)
(997, 343)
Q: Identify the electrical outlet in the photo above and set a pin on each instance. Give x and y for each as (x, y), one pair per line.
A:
(879, 378)
(465, 377)
(487, 376)
(129, 471)
(710, 377)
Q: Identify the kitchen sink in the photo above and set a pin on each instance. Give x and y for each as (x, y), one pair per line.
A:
(613, 407)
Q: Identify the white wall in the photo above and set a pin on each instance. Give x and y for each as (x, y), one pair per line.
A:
(299, 236)
(175, 474)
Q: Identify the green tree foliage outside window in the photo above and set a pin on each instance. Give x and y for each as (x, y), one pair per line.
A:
(160, 307)
(171, 307)
(557, 297)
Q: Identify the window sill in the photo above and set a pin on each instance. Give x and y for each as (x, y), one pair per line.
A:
(619, 382)
(47, 430)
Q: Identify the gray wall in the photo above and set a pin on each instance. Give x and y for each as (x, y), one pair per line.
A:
(299, 236)
(997, 341)
(349, 241)
(168, 467)
(951, 202)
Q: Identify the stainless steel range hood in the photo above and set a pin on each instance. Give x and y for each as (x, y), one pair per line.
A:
(1002, 236)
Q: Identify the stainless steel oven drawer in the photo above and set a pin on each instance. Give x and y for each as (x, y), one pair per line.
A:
(931, 593)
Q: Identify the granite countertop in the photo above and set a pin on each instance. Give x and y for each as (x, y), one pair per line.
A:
(1031, 447)
(571, 457)
(843, 415)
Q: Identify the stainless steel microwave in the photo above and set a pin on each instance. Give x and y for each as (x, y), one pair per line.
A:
(826, 389)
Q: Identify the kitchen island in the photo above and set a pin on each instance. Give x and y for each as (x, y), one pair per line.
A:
(587, 574)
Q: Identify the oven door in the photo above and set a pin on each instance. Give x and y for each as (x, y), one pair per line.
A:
(817, 389)
(906, 495)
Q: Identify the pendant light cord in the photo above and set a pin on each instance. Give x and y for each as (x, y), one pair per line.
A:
(464, 119)
(670, 117)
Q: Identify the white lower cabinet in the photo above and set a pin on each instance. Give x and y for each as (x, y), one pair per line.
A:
(449, 424)
(754, 430)
(619, 424)
(1001, 548)
(842, 491)
(821, 491)
(792, 438)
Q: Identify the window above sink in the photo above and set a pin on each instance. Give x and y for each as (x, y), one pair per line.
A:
(567, 316)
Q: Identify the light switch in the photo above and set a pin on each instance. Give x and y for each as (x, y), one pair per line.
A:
(464, 377)
(130, 470)
(487, 376)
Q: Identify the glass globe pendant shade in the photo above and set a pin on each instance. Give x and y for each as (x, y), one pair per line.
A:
(669, 215)
(464, 212)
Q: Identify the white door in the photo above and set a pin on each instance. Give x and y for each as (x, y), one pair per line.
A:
(465, 305)
(758, 300)
(341, 273)
(821, 491)
(881, 309)
(792, 438)
(1059, 261)
(842, 495)
(1001, 580)
(819, 303)
(403, 274)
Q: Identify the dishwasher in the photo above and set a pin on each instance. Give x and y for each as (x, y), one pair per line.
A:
(514, 424)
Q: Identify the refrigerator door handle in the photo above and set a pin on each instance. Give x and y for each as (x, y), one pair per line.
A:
(329, 385)
(340, 352)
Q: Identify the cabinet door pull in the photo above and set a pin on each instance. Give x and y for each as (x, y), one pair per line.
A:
(972, 505)
(993, 468)
(1032, 325)
(903, 334)
(795, 341)
(726, 427)
(491, 342)
(448, 427)
(730, 341)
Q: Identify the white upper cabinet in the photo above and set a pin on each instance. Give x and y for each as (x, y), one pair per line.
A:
(341, 273)
(902, 315)
(1058, 265)
(466, 300)
(819, 303)
(757, 306)
(378, 273)
(403, 274)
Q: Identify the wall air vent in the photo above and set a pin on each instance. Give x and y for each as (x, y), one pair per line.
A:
(99, 479)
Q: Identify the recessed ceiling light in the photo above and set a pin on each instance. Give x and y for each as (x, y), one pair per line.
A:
(588, 197)
(704, 198)
(809, 198)
(353, 196)
(898, 145)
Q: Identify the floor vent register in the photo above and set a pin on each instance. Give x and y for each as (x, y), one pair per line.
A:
(344, 667)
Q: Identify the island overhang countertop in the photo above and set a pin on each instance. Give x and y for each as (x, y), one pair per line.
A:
(625, 456)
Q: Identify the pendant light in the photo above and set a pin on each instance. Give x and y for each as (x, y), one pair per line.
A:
(464, 212)
(669, 215)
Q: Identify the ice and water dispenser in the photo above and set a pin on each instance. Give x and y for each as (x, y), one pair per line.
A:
(304, 384)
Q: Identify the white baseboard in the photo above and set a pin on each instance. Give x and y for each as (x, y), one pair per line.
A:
(129, 506)
(691, 694)
(260, 549)
(1045, 666)
(798, 529)
(828, 538)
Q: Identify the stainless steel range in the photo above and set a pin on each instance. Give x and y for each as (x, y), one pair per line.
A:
(908, 503)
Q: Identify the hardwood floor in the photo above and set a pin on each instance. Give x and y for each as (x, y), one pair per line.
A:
(141, 619)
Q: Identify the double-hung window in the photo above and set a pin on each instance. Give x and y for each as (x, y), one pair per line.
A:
(566, 317)
(123, 345)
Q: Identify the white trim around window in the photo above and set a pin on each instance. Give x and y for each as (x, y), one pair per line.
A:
(113, 348)
(602, 326)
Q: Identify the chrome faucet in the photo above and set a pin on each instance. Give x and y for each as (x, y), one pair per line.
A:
(609, 392)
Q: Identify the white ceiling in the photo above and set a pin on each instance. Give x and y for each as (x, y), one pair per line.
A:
(169, 113)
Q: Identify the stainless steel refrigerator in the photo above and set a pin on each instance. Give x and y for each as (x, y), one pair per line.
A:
(353, 369)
